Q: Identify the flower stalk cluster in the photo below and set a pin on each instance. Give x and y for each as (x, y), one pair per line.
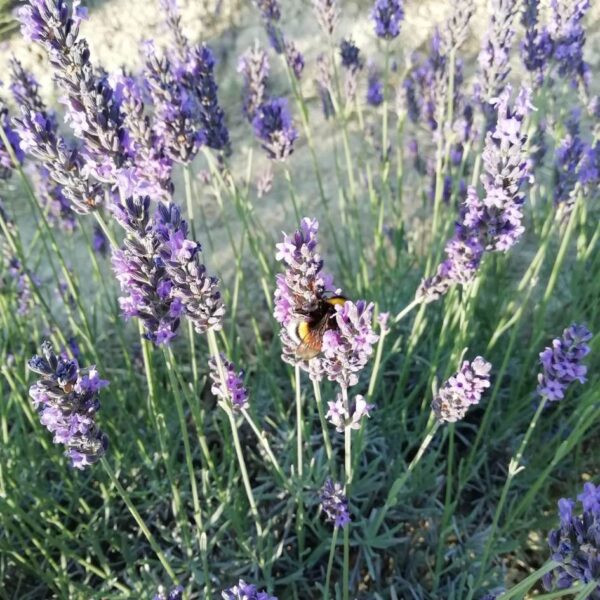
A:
(335, 504)
(462, 390)
(66, 398)
(492, 223)
(575, 544)
(230, 388)
(562, 363)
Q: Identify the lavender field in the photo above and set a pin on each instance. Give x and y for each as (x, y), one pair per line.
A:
(300, 300)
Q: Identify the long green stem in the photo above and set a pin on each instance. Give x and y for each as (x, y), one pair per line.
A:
(324, 429)
(330, 562)
(138, 519)
(513, 468)
(348, 475)
(214, 350)
(399, 483)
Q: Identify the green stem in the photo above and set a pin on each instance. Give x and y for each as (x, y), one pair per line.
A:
(513, 468)
(400, 481)
(324, 429)
(138, 519)
(330, 562)
(348, 474)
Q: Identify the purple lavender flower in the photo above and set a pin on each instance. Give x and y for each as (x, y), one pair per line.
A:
(562, 363)
(303, 282)
(294, 59)
(499, 215)
(142, 277)
(493, 223)
(245, 591)
(66, 398)
(334, 504)
(301, 286)
(462, 390)
(575, 544)
(269, 9)
(150, 173)
(350, 54)
(254, 67)
(568, 157)
(201, 81)
(536, 47)
(374, 88)
(175, 593)
(348, 347)
(340, 417)
(328, 14)
(273, 126)
(38, 130)
(388, 15)
(568, 38)
(495, 54)
(92, 109)
(232, 391)
(194, 292)
(177, 120)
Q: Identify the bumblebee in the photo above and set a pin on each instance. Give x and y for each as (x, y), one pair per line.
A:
(308, 331)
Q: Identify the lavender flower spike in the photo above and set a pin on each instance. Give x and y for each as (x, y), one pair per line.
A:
(193, 290)
(254, 67)
(348, 347)
(232, 391)
(142, 277)
(66, 398)
(388, 15)
(328, 14)
(462, 390)
(495, 53)
(335, 504)
(562, 363)
(245, 591)
(92, 108)
(273, 126)
(575, 544)
(302, 283)
(341, 418)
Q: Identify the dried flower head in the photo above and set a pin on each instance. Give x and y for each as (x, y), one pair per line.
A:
(562, 363)
(66, 398)
(462, 390)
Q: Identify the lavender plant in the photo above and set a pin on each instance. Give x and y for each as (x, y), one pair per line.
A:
(350, 473)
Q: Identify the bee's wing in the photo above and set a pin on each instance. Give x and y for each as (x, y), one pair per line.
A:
(311, 338)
